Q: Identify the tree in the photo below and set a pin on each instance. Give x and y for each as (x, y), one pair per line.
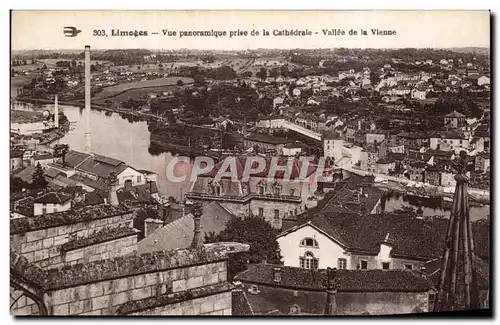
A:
(256, 232)
(38, 178)
(180, 83)
(17, 184)
(262, 74)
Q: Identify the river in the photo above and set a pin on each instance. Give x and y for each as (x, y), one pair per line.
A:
(128, 140)
(117, 137)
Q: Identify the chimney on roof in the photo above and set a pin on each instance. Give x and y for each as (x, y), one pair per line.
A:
(197, 240)
(277, 275)
(113, 187)
(151, 225)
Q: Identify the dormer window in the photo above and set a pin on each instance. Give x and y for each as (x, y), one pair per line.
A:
(261, 188)
(254, 289)
(309, 242)
(277, 189)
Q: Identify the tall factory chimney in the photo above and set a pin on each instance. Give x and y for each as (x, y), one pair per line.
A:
(56, 112)
(88, 138)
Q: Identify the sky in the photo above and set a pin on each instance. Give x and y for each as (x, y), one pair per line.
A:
(419, 29)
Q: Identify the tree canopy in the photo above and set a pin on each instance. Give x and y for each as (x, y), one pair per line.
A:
(256, 232)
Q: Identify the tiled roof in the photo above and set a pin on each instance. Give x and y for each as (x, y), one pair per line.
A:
(95, 164)
(454, 114)
(54, 198)
(265, 138)
(52, 172)
(375, 280)
(179, 233)
(240, 162)
(240, 304)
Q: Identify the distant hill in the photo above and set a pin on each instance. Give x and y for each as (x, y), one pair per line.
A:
(472, 49)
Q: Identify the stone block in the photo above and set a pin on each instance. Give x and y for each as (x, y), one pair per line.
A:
(141, 293)
(119, 298)
(94, 258)
(191, 310)
(61, 239)
(63, 230)
(54, 251)
(29, 256)
(222, 302)
(26, 310)
(76, 307)
(222, 266)
(47, 243)
(179, 285)
(36, 235)
(92, 313)
(21, 302)
(227, 312)
(209, 279)
(168, 276)
(222, 276)
(100, 302)
(28, 247)
(73, 255)
(95, 290)
(60, 310)
(139, 281)
(62, 296)
(52, 232)
(217, 313)
(119, 285)
(207, 306)
(194, 282)
(153, 278)
(87, 305)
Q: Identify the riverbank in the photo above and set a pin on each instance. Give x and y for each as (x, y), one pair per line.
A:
(433, 192)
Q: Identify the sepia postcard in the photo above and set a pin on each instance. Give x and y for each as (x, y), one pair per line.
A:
(250, 163)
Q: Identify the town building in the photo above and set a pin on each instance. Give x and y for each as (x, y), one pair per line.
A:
(272, 197)
(273, 290)
(482, 163)
(16, 160)
(264, 142)
(454, 120)
(332, 146)
(51, 203)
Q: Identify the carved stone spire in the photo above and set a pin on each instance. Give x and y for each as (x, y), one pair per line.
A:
(457, 289)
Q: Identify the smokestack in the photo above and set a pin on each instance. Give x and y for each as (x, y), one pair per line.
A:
(56, 112)
(197, 240)
(88, 139)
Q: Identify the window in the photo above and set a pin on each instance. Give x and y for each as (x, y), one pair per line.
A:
(276, 215)
(409, 266)
(386, 265)
(261, 189)
(364, 265)
(308, 261)
(342, 263)
(277, 189)
(292, 192)
(138, 178)
(254, 289)
(55, 209)
(432, 297)
(44, 210)
(309, 242)
(261, 212)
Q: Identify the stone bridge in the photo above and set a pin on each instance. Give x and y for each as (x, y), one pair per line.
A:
(302, 130)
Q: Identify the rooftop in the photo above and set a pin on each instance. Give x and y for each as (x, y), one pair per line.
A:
(265, 138)
(54, 198)
(23, 225)
(349, 280)
(455, 114)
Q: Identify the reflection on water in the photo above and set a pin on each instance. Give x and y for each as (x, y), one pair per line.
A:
(430, 207)
(118, 137)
